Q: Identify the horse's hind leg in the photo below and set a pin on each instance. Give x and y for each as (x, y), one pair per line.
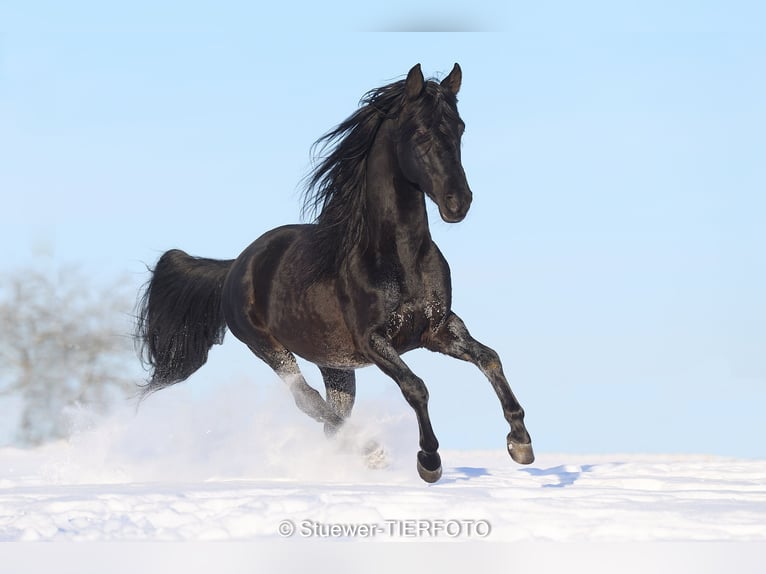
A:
(284, 364)
(453, 339)
(341, 392)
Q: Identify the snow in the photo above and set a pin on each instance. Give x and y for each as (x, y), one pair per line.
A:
(233, 469)
(481, 495)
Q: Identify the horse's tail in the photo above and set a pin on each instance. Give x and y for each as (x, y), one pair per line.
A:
(180, 317)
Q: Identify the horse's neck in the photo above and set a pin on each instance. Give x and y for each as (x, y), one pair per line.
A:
(396, 209)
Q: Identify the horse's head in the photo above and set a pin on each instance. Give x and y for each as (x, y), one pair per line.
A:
(429, 142)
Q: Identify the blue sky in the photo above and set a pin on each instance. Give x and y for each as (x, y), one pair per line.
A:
(614, 253)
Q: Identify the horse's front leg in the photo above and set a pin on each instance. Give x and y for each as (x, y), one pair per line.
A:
(383, 354)
(453, 339)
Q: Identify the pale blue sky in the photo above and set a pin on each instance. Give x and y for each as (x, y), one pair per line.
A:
(614, 254)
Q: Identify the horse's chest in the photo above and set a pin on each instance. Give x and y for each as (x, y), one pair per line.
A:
(414, 304)
(407, 323)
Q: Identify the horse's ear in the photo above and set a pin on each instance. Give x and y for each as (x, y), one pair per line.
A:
(453, 81)
(414, 84)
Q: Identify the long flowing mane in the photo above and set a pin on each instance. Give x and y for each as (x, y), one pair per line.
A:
(335, 189)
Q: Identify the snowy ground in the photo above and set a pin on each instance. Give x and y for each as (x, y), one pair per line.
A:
(189, 476)
(482, 495)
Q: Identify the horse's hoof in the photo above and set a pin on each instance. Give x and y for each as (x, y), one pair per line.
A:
(429, 467)
(429, 476)
(521, 453)
(374, 456)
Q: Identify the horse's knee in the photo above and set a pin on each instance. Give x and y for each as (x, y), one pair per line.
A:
(415, 392)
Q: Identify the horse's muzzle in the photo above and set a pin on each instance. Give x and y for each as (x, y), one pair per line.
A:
(455, 206)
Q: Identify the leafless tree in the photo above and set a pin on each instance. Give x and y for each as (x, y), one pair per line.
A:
(63, 342)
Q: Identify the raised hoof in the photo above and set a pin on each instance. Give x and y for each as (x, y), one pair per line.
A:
(521, 453)
(433, 461)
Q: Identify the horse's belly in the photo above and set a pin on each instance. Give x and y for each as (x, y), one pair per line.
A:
(336, 359)
(324, 347)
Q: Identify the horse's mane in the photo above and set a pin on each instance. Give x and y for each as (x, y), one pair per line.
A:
(335, 189)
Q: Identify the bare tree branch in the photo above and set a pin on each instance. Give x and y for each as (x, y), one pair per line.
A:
(63, 341)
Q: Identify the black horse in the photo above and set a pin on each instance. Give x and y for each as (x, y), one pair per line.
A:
(360, 286)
